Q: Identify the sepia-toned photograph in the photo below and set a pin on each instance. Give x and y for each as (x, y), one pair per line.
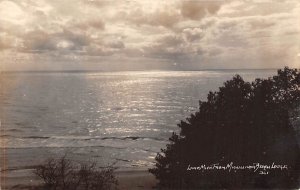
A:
(149, 94)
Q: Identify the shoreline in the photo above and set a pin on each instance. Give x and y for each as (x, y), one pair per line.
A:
(127, 180)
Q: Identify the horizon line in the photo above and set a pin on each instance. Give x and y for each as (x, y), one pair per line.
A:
(99, 70)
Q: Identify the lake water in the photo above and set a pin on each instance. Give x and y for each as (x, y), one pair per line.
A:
(111, 117)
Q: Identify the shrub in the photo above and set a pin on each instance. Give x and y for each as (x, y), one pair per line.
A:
(243, 123)
(64, 174)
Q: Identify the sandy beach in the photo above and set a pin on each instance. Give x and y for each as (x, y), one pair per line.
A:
(134, 180)
(128, 180)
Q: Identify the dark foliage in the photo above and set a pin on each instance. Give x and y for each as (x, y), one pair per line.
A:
(243, 123)
(64, 174)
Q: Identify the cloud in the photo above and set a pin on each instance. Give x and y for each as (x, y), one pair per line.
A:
(162, 17)
(38, 41)
(262, 23)
(168, 14)
(41, 41)
(238, 8)
(4, 44)
(97, 3)
(10, 11)
(98, 50)
(199, 9)
(192, 34)
(171, 40)
(172, 46)
(206, 33)
(116, 45)
(85, 25)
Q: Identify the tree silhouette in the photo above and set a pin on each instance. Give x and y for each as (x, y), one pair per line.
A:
(243, 123)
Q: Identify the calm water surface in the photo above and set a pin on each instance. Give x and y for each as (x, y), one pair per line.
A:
(118, 117)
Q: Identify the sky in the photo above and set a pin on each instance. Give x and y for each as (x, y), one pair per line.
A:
(149, 34)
